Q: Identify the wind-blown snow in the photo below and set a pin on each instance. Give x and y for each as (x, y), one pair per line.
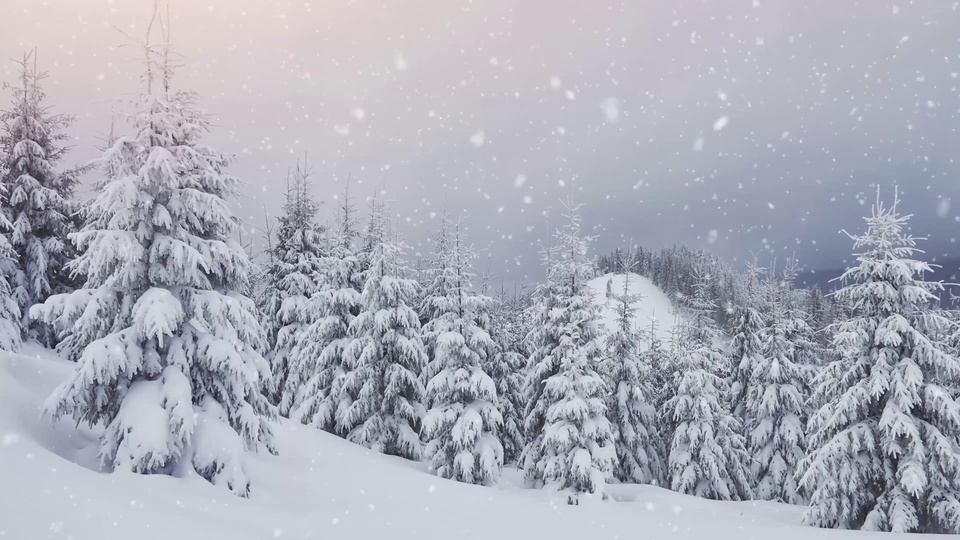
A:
(653, 303)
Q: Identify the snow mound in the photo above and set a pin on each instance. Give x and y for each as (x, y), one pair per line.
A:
(653, 304)
(318, 487)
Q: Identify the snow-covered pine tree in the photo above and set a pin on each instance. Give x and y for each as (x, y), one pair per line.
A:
(319, 361)
(953, 342)
(884, 452)
(11, 333)
(463, 424)
(382, 396)
(506, 367)
(773, 401)
(809, 353)
(569, 439)
(656, 358)
(295, 274)
(640, 450)
(39, 207)
(818, 315)
(166, 340)
(749, 338)
(435, 279)
(707, 452)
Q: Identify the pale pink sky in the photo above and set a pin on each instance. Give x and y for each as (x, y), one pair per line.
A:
(724, 124)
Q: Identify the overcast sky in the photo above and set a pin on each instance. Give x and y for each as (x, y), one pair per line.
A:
(730, 125)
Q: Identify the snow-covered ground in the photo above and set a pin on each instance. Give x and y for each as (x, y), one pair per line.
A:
(318, 487)
(322, 487)
(653, 303)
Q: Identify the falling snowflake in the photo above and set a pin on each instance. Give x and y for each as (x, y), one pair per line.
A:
(478, 139)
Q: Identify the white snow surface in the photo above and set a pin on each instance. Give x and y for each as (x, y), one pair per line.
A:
(653, 303)
(318, 487)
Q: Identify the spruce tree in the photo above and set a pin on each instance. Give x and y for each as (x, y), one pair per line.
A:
(436, 284)
(506, 367)
(11, 333)
(166, 341)
(640, 450)
(807, 347)
(884, 452)
(749, 338)
(462, 427)
(382, 396)
(295, 277)
(319, 360)
(817, 314)
(569, 439)
(707, 452)
(773, 402)
(656, 358)
(39, 209)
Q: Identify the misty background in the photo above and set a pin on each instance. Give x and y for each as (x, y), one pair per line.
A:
(736, 126)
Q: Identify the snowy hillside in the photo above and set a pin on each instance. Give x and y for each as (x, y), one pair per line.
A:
(319, 487)
(653, 304)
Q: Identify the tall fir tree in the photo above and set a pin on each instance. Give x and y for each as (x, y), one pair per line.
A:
(884, 453)
(773, 401)
(296, 273)
(506, 367)
(39, 195)
(630, 407)
(435, 279)
(166, 341)
(11, 333)
(382, 398)
(749, 338)
(656, 358)
(570, 444)
(320, 354)
(707, 451)
(463, 425)
(807, 348)
(818, 315)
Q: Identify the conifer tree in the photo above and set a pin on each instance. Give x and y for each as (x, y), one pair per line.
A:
(640, 450)
(707, 453)
(569, 439)
(773, 401)
(817, 314)
(749, 338)
(436, 286)
(11, 334)
(38, 190)
(319, 360)
(295, 277)
(462, 427)
(166, 341)
(656, 358)
(382, 396)
(507, 369)
(884, 452)
(809, 353)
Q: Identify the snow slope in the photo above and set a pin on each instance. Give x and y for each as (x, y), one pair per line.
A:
(319, 487)
(653, 303)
